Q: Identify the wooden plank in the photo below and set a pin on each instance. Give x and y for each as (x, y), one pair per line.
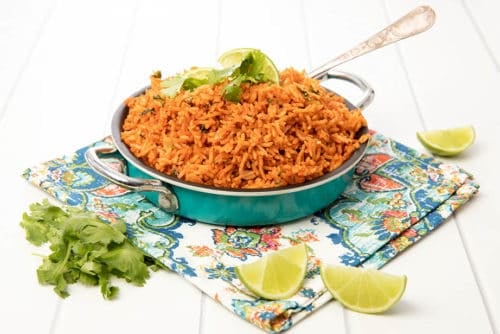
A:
(217, 317)
(87, 60)
(20, 30)
(60, 104)
(441, 293)
(126, 43)
(165, 39)
(484, 17)
(166, 303)
(459, 61)
(336, 27)
(263, 25)
(70, 79)
(21, 294)
(396, 113)
(19, 288)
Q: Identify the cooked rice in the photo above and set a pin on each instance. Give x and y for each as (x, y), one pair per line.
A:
(277, 135)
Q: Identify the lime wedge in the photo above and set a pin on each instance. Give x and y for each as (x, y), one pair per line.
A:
(363, 290)
(278, 275)
(447, 142)
(198, 72)
(172, 85)
(234, 57)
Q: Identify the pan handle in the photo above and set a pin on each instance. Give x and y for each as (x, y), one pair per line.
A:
(166, 199)
(368, 92)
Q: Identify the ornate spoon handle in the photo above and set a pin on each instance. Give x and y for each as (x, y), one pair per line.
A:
(414, 22)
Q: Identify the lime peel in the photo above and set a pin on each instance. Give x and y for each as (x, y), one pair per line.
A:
(275, 276)
(447, 142)
(363, 290)
(235, 57)
(280, 275)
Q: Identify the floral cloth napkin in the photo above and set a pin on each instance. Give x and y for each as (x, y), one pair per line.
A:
(397, 196)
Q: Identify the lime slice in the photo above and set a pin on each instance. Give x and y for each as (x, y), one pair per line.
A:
(234, 57)
(278, 275)
(198, 73)
(447, 142)
(172, 85)
(363, 290)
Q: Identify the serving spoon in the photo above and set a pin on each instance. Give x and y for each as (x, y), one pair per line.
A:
(414, 22)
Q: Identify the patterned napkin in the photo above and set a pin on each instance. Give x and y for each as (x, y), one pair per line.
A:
(397, 196)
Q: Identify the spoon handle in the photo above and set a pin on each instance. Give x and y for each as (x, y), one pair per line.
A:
(414, 22)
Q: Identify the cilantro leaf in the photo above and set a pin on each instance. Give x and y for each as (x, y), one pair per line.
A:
(127, 262)
(89, 229)
(232, 91)
(192, 83)
(83, 249)
(251, 69)
(53, 270)
(107, 290)
(36, 231)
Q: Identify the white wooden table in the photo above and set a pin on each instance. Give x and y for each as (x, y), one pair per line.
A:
(65, 65)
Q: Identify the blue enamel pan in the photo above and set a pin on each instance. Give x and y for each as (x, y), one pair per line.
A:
(236, 207)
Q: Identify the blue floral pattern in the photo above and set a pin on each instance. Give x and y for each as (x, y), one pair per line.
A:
(397, 196)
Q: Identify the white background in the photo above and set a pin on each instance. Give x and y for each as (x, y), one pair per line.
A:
(66, 65)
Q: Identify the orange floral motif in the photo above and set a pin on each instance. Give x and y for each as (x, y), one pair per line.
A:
(401, 243)
(410, 233)
(397, 201)
(201, 251)
(110, 190)
(109, 216)
(395, 213)
(394, 225)
(269, 236)
(303, 235)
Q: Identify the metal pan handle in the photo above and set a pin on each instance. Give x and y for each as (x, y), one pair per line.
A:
(166, 199)
(368, 92)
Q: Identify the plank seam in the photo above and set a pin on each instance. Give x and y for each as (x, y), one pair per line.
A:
(27, 61)
(122, 63)
(218, 29)
(347, 328)
(491, 319)
(203, 298)
(420, 114)
(481, 35)
(53, 322)
(405, 71)
(306, 33)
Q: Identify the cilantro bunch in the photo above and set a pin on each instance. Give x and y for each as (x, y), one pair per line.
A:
(83, 249)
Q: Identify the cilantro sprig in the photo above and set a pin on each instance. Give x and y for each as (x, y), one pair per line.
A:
(83, 249)
(253, 69)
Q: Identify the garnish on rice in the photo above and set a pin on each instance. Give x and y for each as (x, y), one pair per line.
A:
(252, 132)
